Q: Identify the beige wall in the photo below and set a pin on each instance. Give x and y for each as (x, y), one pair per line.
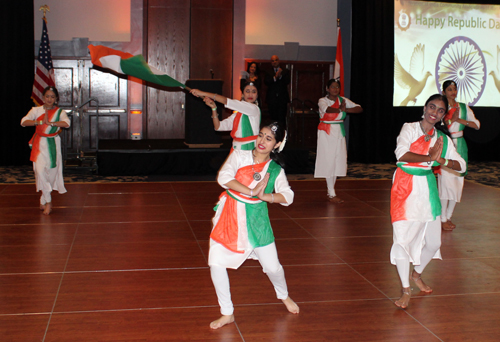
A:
(98, 20)
(307, 22)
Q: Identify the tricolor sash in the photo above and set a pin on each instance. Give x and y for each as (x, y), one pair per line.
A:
(403, 180)
(460, 143)
(333, 118)
(48, 132)
(246, 131)
(258, 225)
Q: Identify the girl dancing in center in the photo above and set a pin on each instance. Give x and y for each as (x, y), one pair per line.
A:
(241, 226)
(415, 205)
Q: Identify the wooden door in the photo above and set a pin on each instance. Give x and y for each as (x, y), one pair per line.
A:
(167, 50)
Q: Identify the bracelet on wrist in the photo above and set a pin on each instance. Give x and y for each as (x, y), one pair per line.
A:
(430, 159)
(215, 96)
(251, 192)
(272, 198)
(214, 109)
(445, 162)
(449, 122)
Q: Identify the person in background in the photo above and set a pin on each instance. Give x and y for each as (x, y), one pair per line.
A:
(46, 146)
(331, 155)
(277, 97)
(241, 226)
(451, 183)
(243, 123)
(415, 205)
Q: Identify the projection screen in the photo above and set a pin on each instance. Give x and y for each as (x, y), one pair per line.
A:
(436, 41)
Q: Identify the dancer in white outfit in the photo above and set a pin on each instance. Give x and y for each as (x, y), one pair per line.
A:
(331, 155)
(244, 123)
(241, 226)
(46, 146)
(415, 205)
(451, 183)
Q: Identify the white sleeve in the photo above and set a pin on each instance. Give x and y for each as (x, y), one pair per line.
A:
(243, 107)
(323, 106)
(451, 153)
(227, 124)
(349, 103)
(472, 117)
(228, 171)
(281, 186)
(404, 141)
(64, 117)
(30, 116)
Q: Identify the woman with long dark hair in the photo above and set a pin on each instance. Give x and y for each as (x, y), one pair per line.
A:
(450, 182)
(415, 205)
(241, 226)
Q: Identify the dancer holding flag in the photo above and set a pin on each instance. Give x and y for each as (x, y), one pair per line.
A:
(331, 155)
(241, 226)
(243, 123)
(415, 205)
(46, 146)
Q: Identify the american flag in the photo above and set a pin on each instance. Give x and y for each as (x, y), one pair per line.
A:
(44, 74)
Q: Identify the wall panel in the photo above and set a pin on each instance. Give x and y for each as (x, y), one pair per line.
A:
(168, 50)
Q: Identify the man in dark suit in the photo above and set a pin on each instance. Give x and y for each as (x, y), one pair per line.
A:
(277, 97)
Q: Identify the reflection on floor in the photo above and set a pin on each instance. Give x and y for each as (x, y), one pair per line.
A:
(128, 262)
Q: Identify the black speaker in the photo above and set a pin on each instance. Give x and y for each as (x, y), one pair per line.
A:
(199, 125)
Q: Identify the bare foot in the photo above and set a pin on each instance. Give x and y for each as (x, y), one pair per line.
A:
(219, 323)
(291, 305)
(42, 207)
(416, 277)
(447, 226)
(405, 298)
(48, 209)
(335, 200)
(452, 225)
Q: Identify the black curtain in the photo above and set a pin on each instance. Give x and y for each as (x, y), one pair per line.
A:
(372, 134)
(18, 73)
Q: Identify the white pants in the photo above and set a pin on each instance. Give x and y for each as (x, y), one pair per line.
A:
(268, 258)
(330, 185)
(447, 208)
(432, 243)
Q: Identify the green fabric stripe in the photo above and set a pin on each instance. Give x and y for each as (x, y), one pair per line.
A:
(259, 229)
(246, 127)
(136, 66)
(51, 143)
(247, 147)
(462, 149)
(463, 115)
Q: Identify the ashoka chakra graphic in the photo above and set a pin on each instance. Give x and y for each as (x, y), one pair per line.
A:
(462, 61)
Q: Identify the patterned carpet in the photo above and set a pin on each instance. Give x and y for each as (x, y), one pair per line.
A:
(487, 173)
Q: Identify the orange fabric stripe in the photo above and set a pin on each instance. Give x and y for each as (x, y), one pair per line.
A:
(96, 52)
(40, 132)
(329, 117)
(403, 182)
(236, 124)
(226, 230)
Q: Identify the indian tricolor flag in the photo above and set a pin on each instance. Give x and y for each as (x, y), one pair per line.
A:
(128, 64)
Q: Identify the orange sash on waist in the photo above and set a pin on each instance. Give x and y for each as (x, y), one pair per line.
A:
(403, 182)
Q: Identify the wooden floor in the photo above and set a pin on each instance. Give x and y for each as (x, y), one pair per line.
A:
(128, 262)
